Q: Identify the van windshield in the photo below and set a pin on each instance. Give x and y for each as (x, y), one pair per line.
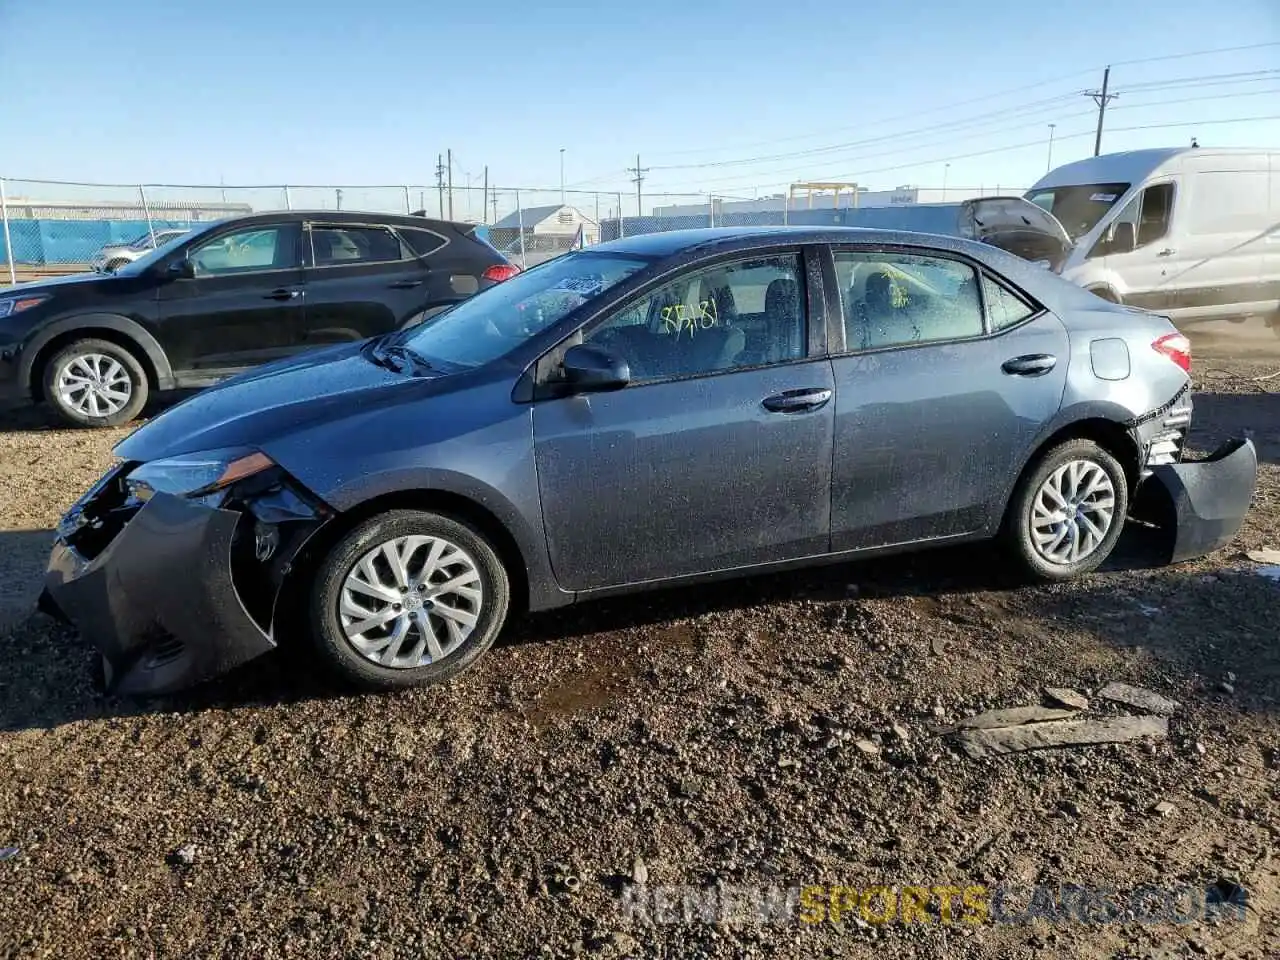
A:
(1080, 207)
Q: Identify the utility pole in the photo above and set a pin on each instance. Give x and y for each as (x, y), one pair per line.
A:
(1049, 166)
(440, 182)
(1101, 98)
(638, 179)
(449, 155)
(484, 197)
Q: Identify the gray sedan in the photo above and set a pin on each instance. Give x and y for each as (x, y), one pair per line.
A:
(663, 409)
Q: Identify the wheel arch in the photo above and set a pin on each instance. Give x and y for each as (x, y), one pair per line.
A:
(1111, 435)
(114, 328)
(447, 503)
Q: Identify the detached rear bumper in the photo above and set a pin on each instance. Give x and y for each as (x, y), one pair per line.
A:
(1208, 498)
(158, 601)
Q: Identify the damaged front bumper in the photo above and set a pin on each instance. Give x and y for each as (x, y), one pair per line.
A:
(175, 591)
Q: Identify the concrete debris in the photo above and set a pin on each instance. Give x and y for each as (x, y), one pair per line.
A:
(1012, 717)
(1265, 555)
(639, 871)
(1139, 697)
(1163, 808)
(1066, 697)
(1059, 733)
(867, 747)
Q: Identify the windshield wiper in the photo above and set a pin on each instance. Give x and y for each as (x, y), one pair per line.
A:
(394, 356)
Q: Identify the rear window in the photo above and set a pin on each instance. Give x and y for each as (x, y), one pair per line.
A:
(422, 242)
(337, 246)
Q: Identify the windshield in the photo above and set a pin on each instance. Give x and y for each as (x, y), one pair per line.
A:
(496, 321)
(162, 250)
(1078, 208)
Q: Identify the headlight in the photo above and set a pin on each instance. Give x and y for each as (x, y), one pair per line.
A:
(11, 305)
(197, 476)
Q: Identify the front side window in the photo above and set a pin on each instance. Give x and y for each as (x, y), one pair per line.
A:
(249, 250)
(495, 321)
(342, 246)
(897, 299)
(1144, 220)
(733, 315)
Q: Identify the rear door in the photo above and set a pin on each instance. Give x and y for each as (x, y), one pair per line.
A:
(244, 305)
(944, 378)
(362, 281)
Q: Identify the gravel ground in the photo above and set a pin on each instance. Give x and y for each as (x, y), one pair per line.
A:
(782, 731)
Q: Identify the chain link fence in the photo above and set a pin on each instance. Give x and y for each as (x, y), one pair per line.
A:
(52, 228)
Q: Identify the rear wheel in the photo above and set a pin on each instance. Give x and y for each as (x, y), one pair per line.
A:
(95, 383)
(1068, 511)
(115, 265)
(408, 598)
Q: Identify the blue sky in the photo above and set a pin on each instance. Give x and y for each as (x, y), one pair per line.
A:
(285, 91)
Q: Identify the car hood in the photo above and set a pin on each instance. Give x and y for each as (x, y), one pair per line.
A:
(255, 407)
(53, 283)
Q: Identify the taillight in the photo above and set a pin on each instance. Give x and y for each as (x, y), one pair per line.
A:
(501, 271)
(1176, 347)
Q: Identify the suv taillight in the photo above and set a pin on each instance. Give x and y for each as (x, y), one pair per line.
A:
(1176, 347)
(501, 271)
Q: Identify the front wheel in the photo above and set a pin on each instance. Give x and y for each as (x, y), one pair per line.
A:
(408, 598)
(1067, 512)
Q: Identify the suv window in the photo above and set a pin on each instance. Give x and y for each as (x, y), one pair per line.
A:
(893, 299)
(1004, 307)
(246, 251)
(339, 246)
(422, 242)
(732, 315)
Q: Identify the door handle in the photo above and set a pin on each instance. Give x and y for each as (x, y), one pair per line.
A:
(405, 284)
(797, 401)
(1167, 252)
(282, 294)
(1031, 365)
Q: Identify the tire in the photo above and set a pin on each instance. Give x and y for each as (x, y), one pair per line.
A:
(1030, 531)
(334, 603)
(119, 371)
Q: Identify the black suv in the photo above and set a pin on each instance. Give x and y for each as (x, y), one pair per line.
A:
(229, 296)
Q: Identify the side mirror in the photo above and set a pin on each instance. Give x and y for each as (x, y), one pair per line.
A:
(1124, 239)
(590, 368)
(182, 269)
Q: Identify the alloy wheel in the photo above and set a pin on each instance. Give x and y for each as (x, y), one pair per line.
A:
(94, 385)
(1072, 512)
(411, 601)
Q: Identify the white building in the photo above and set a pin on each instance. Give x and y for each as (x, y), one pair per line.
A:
(557, 220)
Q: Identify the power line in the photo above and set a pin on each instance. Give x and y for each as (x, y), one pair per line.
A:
(1196, 53)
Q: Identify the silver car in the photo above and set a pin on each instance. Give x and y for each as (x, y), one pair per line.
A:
(114, 256)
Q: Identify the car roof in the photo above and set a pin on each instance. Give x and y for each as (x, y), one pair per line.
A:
(709, 239)
(347, 216)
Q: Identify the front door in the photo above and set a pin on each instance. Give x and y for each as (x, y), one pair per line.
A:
(361, 282)
(948, 376)
(718, 453)
(244, 305)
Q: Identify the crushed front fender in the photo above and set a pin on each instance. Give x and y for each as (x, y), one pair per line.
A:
(159, 602)
(1207, 499)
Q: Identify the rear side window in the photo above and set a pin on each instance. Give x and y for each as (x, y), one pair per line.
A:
(1004, 307)
(340, 246)
(422, 242)
(897, 299)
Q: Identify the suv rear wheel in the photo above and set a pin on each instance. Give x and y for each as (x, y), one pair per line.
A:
(95, 383)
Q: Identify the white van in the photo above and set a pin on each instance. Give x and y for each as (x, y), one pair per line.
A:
(1189, 232)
